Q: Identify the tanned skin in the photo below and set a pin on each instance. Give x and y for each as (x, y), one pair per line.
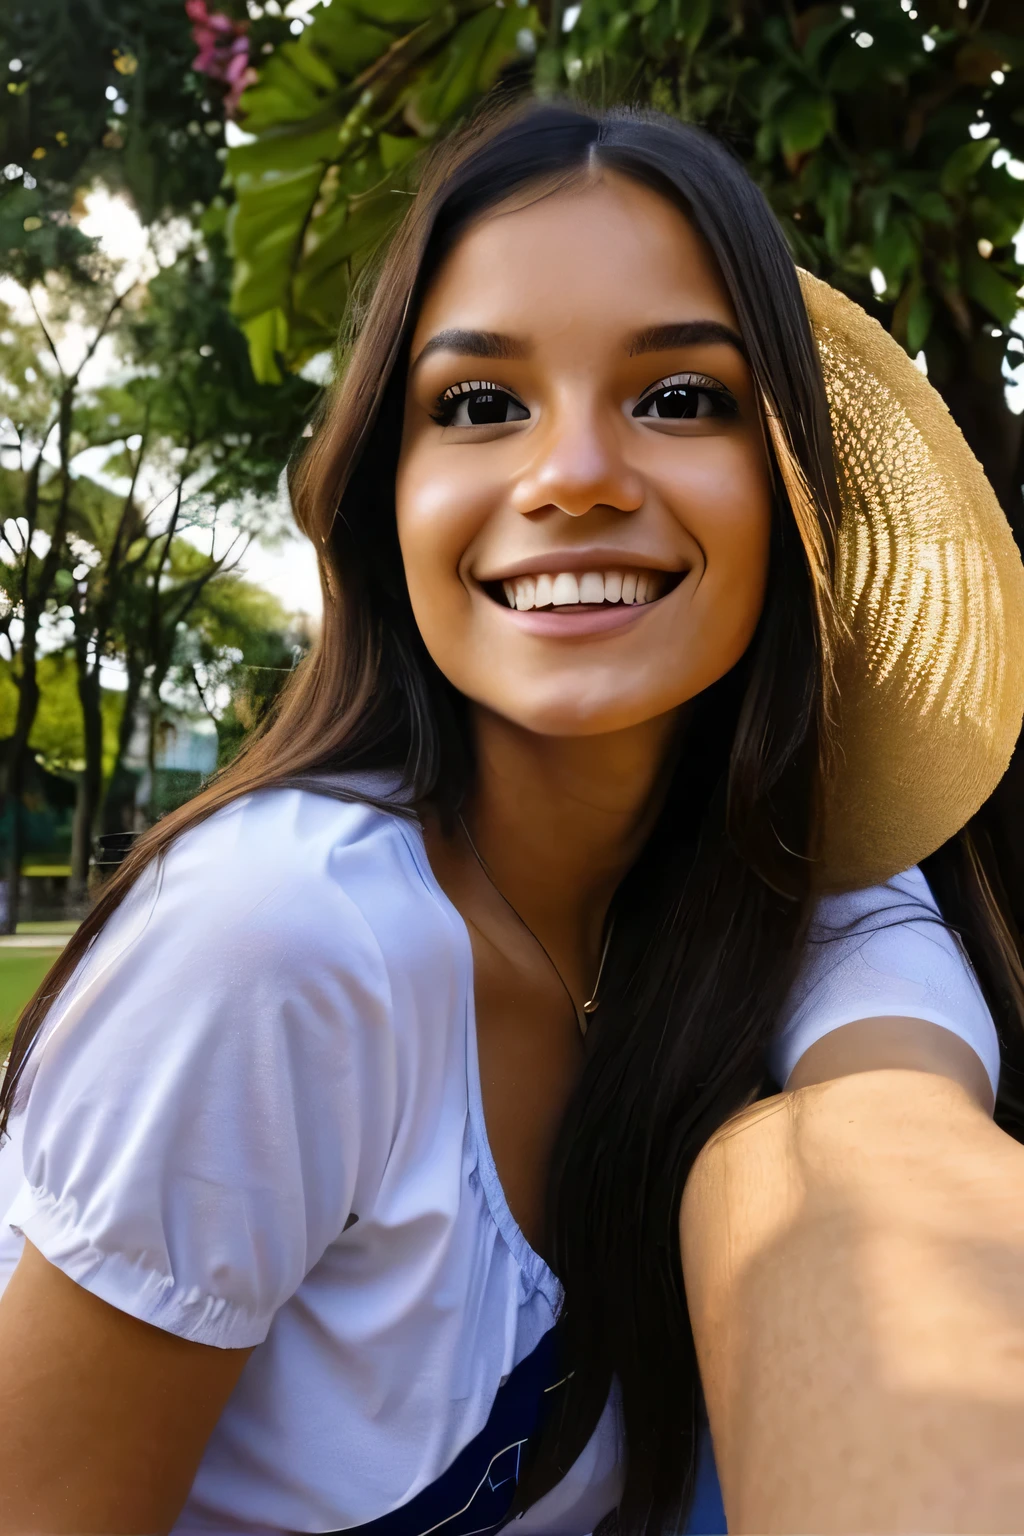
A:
(854, 1262)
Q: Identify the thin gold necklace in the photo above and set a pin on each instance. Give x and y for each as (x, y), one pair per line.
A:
(593, 1002)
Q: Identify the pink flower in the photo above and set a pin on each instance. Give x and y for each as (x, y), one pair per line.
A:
(223, 50)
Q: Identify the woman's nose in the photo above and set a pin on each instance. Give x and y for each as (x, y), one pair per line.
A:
(579, 464)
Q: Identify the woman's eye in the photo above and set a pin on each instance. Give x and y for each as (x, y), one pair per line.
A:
(481, 405)
(685, 401)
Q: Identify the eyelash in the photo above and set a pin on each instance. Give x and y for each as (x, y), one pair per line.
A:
(724, 399)
(447, 403)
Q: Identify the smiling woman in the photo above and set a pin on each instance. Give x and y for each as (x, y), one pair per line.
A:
(618, 476)
(344, 1186)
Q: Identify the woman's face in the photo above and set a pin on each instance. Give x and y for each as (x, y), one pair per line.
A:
(582, 495)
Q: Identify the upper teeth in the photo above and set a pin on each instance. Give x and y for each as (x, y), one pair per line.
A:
(564, 588)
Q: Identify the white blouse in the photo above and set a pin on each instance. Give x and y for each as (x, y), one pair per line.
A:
(254, 1119)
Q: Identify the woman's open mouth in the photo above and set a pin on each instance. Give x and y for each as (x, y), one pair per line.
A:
(576, 604)
(585, 589)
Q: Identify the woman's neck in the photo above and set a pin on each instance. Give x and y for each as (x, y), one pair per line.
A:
(559, 820)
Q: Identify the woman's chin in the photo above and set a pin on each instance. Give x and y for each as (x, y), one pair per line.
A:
(572, 714)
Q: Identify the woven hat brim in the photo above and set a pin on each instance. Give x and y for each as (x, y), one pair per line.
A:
(929, 582)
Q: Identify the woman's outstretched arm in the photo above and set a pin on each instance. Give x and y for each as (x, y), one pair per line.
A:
(103, 1419)
(853, 1254)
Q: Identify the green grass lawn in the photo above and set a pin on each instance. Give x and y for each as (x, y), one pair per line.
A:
(21, 971)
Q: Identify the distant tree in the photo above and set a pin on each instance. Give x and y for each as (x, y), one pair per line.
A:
(192, 434)
(57, 747)
(137, 577)
(187, 438)
(58, 738)
(184, 450)
(38, 495)
(237, 654)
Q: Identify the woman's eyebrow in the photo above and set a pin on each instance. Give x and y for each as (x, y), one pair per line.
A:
(687, 333)
(490, 344)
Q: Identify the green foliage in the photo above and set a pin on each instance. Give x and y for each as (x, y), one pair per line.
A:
(339, 117)
(865, 151)
(198, 386)
(858, 126)
(58, 738)
(157, 139)
(160, 137)
(160, 140)
(180, 429)
(241, 645)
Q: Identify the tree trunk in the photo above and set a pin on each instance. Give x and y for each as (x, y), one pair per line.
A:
(28, 702)
(34, 595)
(17, 766)
(151, 744)
(120, 791)
(90, 786)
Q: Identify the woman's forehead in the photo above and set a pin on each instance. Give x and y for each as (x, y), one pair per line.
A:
(606, 251)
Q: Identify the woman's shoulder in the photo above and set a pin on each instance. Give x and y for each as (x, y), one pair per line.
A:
(291, 837)
(907, 897)
(288, 869)
(883, 952)
(286, 920)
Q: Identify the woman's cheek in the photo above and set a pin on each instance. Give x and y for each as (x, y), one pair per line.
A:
(440, 509)
(725, 504)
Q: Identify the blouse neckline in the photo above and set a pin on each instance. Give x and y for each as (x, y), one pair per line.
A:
(533, 1266)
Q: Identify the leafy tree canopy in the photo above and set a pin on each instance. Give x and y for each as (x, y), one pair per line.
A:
(888, 134)
(58, 735)
(889, 138)
(339, 115)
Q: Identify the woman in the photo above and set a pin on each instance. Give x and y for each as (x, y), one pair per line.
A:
(438, 992)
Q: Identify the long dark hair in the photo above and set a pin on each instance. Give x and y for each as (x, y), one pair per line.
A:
(710, 922)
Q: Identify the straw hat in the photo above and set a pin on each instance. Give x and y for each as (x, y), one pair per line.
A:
(928, 659)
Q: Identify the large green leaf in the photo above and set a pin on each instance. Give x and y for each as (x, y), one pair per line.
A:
(465, 68)
(339, 117)
(804, 122)
(919, 321)
(895, 250)
(988, 287)
(267, 335)
(265, 230)
(301, 76)
(964, 164)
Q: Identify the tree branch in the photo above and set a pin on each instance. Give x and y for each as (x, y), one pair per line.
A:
(49, 339)
(119, 299)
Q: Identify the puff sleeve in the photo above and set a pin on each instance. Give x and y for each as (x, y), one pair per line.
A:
(192, 1128)
(883, 952)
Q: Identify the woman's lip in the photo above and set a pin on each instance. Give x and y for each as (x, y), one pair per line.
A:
(576, 621)
(579, 561)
